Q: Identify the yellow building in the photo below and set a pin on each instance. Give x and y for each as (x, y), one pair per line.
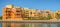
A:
(32, 13)
(57, 14)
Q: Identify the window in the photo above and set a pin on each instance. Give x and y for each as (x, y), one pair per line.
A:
(34, 13)
(8, 17)
(47, 12)
(30, 12)
(17, 10)
(8, 11)
(17, 14)
(56, 13)
(39, 13)
(8, 14)
(26, 13)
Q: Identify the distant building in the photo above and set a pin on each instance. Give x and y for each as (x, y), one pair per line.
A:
(46, 13)
(32, 13)
(38, 13)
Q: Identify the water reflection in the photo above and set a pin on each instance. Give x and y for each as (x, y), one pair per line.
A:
(30, 25)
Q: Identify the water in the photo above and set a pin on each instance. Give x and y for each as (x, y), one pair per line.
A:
(36, 24)
(46, 25)
(0, 24)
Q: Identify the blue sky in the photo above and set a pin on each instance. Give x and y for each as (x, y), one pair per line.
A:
(36, 4)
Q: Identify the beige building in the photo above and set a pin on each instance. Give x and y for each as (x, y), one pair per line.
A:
(53, 15)
(46, 13)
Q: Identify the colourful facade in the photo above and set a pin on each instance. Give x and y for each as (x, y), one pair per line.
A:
(9, 12)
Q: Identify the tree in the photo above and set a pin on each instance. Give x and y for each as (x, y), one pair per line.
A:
(49, 17)
(41, 18)
(46, 18)
(34, 18)
(0, 17)
(58, 16)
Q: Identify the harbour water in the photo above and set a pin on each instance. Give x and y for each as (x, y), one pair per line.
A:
(0, 24)
(37, 25)
(32, 23)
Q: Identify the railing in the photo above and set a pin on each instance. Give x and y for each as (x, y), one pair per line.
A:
(30, 23)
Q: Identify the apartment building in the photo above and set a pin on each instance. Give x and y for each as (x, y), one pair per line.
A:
(57, 14)
(31, 13)
(11, 13)
(53, 15)
(39, 13)
(26, 12)
(7, 12)
(58, 11)
(18, 13)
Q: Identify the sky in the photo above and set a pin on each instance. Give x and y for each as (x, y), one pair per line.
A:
(32, 4)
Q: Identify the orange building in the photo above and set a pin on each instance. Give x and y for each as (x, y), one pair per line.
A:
(11, 13)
